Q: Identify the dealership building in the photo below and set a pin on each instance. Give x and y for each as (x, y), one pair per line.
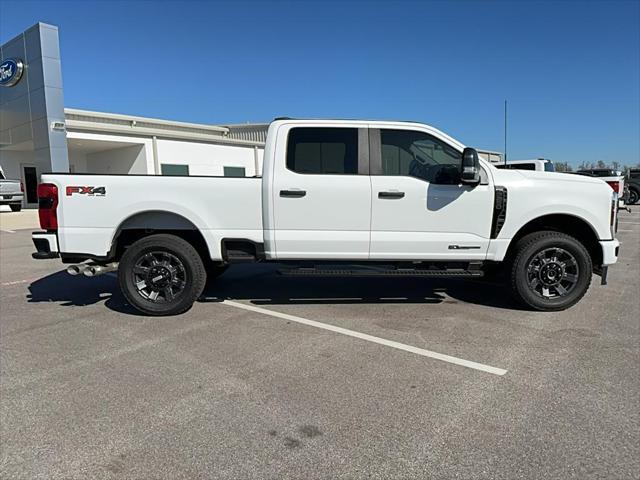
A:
(38, 134)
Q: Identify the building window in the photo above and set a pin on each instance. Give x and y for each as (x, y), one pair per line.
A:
(328, 151)
(234, 172)
(173, 169)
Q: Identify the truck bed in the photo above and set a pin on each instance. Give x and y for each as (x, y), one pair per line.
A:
(92, 208)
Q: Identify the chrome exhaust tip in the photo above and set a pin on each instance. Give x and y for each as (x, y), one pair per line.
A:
(93, 270)
(76, 269)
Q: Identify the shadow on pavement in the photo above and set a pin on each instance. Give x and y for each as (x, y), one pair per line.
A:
(262, 285)
(79, 290)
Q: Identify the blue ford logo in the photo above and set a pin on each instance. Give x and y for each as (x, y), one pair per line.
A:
(10, 72)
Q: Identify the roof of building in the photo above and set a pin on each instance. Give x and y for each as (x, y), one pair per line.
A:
(86, 120)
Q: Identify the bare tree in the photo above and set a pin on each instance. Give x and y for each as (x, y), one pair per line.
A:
(563, 167)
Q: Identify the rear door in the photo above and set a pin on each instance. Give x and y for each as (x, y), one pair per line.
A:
(321, 193)
(419, 208)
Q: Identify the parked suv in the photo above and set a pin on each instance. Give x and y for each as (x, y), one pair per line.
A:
(11, 192)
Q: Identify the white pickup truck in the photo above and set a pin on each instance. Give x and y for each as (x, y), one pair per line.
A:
(336, 198)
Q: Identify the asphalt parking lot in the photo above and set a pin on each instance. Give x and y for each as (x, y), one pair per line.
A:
(89, 389)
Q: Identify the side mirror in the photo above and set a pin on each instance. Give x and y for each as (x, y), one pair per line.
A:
(470, 167)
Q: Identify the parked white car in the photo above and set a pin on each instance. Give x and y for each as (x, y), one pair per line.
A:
(336, 198)
(11, 192)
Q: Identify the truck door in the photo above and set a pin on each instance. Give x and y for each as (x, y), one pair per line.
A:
(419, 208)
(321, 193)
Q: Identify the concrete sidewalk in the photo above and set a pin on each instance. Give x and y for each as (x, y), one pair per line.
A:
(12, 221)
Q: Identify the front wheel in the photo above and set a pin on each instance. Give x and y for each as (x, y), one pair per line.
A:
(161, 275)
(15, 207)
(551, 271)
(634, 196)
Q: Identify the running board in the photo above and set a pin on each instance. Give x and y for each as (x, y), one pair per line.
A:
(401, 272)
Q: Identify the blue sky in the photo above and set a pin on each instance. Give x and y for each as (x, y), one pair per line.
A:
(570, 70)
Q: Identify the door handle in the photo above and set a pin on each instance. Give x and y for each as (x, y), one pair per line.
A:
(293, 193)
(390, 194)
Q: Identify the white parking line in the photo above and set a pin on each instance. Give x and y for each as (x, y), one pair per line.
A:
(371, 338)
(7, 231)
(15, 282)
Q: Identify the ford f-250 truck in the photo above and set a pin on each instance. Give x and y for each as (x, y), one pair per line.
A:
(336, 198)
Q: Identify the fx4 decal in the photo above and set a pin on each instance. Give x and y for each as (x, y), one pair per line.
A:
(91, 191)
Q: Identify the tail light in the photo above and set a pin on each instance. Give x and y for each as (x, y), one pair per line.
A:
(22, 187)
(615, 185)
(47, 204)
(614, 210)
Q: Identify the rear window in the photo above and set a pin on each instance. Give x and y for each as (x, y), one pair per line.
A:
(323, 151)
(548, 167)
(517, 166)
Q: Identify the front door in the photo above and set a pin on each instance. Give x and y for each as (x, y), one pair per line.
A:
(419, 208)
(322, 194)
(30, 182)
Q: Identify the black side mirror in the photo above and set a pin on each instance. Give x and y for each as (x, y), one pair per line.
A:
(470, 167)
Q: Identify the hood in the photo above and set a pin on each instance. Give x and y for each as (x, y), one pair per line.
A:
(559, 176)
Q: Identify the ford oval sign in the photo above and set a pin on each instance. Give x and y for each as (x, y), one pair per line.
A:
(10, 72)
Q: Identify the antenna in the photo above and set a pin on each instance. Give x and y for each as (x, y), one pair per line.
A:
(505, 132)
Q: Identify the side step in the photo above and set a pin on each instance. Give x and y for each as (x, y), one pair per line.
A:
(390, 272)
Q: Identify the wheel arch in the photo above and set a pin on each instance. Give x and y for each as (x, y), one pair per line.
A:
(572, 225)
(149, 222)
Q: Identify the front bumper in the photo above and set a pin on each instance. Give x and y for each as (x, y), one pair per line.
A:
(46, 245)
(610, 250)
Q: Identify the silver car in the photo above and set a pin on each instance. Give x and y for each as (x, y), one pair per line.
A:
(10, 192)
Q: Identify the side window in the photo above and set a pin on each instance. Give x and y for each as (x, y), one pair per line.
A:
(328, 151)
(417, 154)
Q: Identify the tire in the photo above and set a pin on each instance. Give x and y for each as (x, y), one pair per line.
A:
(15, 208)
(551, 271)
(161, 275)
(634, 196)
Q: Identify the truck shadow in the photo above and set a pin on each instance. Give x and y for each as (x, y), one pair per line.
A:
(262, 285)
(78, 291)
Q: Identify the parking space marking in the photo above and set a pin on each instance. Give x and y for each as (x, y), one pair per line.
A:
(629, 223)
(370, 338)
(15, 282)
(7, 231)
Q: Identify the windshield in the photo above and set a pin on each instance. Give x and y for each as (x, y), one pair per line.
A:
(2, 175)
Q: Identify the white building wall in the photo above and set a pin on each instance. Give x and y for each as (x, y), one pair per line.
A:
(208, 158)
(123, 160)
(10, 160)
(77, 162)
(128, 154)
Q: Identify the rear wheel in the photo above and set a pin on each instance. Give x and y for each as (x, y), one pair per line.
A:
(551, 271)
(634, 196)
(161, 275)
(15, 207)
